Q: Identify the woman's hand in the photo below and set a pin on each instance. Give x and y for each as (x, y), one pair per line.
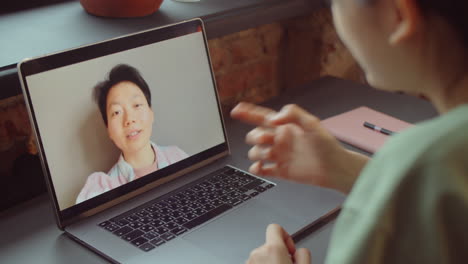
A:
(292, 144)
(278, 249)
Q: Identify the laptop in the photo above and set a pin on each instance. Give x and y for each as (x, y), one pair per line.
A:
(136, 158)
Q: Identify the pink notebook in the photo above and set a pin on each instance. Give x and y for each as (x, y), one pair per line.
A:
(348, 127)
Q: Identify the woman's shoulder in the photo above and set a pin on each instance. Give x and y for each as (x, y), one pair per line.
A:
(97, 183)
(408, 157)
(431, 139)
(409, 180)
(172, 151)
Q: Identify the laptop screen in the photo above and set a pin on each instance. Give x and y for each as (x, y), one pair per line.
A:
(115, 116)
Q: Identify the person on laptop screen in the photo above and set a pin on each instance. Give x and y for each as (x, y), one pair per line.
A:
(124, 100)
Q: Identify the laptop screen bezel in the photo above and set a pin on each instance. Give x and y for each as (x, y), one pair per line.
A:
(101, 202)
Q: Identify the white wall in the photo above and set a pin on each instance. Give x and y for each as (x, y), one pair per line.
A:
(73, 133)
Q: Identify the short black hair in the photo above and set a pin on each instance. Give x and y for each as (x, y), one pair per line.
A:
(119, 73)
(452, 11)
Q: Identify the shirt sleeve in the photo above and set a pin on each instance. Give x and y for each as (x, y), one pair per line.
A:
(96, 184)
(423, 219)
(429, 213)
(174, 154)
(410, 203)
(181, 153)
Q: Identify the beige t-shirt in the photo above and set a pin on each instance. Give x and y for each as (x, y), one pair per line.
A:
(410, 203)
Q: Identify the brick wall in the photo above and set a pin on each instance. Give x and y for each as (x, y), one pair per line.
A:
(258, 63)
(252, 65)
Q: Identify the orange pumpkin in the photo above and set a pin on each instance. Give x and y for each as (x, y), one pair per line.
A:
(121, 8)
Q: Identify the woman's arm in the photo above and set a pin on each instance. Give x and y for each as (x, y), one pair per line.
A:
(293, 145)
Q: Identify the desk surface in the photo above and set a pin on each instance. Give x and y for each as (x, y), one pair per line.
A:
(29, 232)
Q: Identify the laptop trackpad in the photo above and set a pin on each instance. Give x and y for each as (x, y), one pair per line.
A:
(234, 235)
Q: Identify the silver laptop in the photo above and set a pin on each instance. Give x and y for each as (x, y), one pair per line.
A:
(136, 157)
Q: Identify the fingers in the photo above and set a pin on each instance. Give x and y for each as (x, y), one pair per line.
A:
(262, 116)
(269, 144)
(261, 152)
(302, 256)
(252, 114)
(260, 136)
(270, 253)
(275, 234)
(270, 157)
(278, 248)
(289, 243)
(294, 114)
(256, 168)
(264, 169)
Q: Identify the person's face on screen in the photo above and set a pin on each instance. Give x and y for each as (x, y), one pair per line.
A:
(130, 119)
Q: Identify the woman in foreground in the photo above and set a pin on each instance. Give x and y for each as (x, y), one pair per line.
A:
(409, 204)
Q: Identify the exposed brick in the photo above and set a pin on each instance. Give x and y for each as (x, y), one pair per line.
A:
(272, 36)
(269, 27)
(260, 93)
(231, 83)
(254, 64)
(249, 77)
(220, 58)
(230, 37)
(302, 58)
(248, 33)
(260, 73)
(246, 49)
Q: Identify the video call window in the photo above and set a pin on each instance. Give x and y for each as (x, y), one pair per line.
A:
(112, 120)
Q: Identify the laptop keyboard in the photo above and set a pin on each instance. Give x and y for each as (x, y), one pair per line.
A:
(161, 220)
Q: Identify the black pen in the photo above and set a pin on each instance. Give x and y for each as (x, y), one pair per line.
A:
(379, 129)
